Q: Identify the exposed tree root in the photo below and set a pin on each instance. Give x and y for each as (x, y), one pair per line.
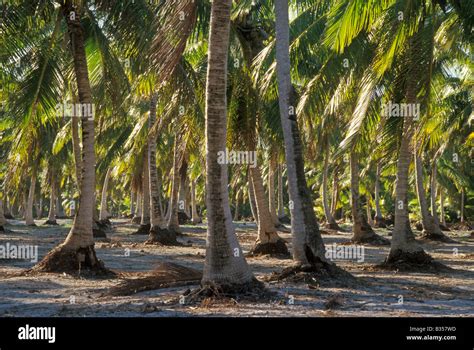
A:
(276, 249)
(143, 230)
(318, 272)
(371, 239)
(162, 237)
(437, 237)
(166, 275)
(418, 261)
(81, 261)
(208, 293)
(50, 222)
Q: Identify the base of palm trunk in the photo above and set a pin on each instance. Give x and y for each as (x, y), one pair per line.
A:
(370, 238)
(437, 237)
(183, 218)
(51, 222)
(143, 230)
(80, 260)
(251, 291)
(162, 236)
(196, 221)
(379, 222)
(413, 261)
(318, 272)
(332, 226)
(136, 219)
(276, 249)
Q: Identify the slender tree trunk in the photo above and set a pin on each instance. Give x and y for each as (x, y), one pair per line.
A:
(379, 220)
(281, 204)
(237, 206)
(76, 149)
(183, 186)
(441, 206)
(225, 265)
(271, 191)
(431, 227)
(3, 221)
(132, 203)
(330, 222)
(158, 232)
(52, 201)
(137, 218)
(77, 251)
(29, 219)
(39, 210)
(308, 246)
(268, 241)
(335, 194)
(195, 218)
(362, 232)
(434, 210)
(462, 205)
(145, 217)
(370, 221)
(253, 205)
(104, 214)
(173, 222)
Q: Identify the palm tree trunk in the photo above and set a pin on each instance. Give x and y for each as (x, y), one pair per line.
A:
(195, 219)
(76, 149)
(253, 205)
(271, 191)
(104, 214)
(434, 210)
(379, 220)
(335, 193)
(281, 205)
(39, 209)
(173, 222)
(137, 218)
(183, 188)
(225, 265)
(331, 223)
(158, 232)
(29, 219)
(268, 241)
(237, 206)
(3, 220)
(145, 217)
(370, 221)
(308, 246)
(52, 201)
(77, 251)
(362, 232)
(441, 207)
(132, 203)
(431, 229)
(462, 206)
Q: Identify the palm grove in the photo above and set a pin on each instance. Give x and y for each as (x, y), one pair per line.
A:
(355, 111)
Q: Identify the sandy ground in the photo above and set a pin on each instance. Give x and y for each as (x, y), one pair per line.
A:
(376, 293)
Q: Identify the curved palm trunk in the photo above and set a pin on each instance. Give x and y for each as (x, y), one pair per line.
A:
(158, 232)
(433, 186)
(29, 220)
(462, 206)
(225, 265)
(77, 251)
(132, 203)
(379, 220)
(183, 188)
(308, 246)
(331, 223)
(145, 199)
(335, 194)
(173, 221)
(137, 218)
(268, 241)
(362, 232)
(104, 214)
(237, 206)
(195, 218)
